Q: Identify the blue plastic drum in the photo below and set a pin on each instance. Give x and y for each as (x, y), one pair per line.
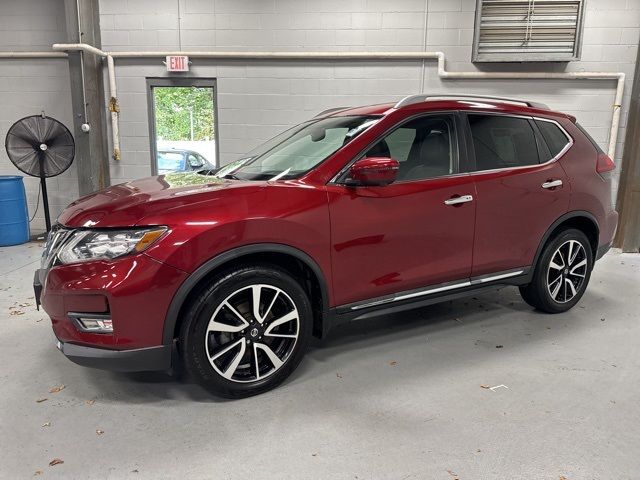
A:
(14, 217)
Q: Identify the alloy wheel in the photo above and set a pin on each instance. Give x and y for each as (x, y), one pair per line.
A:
(252, 333)
(567, 271)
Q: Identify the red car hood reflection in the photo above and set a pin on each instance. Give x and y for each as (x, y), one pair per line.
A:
(126, 204)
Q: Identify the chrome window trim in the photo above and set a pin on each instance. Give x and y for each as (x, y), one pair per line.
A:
(528, 117)
(467, 282)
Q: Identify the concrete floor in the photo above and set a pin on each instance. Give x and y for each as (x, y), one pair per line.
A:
(400, 397)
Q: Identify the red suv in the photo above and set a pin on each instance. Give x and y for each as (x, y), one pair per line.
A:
(355, 213)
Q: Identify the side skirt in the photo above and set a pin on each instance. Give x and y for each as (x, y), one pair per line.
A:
(427, 296)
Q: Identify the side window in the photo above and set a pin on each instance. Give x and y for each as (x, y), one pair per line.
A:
(553, 136)
(194, 161)
(503, 142)
(425, 148)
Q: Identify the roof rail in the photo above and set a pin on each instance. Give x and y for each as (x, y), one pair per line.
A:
(330, 110)
(411, 99)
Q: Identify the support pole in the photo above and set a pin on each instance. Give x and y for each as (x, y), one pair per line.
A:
(87, 97)
(628, 204)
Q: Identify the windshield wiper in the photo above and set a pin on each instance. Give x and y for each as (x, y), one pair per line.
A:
(230, 176)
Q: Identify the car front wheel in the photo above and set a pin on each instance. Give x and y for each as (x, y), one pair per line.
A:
(246, 332)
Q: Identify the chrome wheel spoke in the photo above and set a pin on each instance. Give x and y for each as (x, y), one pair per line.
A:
(256, 292)
(215, 326)
(233, 365)
(572, 256)
(275, 360)
(582, 263)
(268, 310)
(555, 266)
(280, 321)
(556, 288)
(571, 287)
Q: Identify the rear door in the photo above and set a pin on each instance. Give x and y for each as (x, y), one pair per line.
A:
(521, 189)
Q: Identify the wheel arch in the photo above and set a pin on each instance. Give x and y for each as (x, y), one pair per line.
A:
(582, 220)
(295, 261)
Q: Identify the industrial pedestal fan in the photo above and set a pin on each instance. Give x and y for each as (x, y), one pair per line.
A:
(43, 147)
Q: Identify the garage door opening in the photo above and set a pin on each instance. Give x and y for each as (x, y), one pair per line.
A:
(183, 125)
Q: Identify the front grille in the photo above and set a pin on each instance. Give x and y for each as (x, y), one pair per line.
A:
(55, 239)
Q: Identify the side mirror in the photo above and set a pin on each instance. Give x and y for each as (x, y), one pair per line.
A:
(373, 171)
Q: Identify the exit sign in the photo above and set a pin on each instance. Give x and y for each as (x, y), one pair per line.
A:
(177, 63)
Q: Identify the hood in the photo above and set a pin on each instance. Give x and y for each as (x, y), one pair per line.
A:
(126, 204)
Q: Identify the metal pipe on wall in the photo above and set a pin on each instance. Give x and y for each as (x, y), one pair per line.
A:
(33, 55)
(439, 56)
(114, 108)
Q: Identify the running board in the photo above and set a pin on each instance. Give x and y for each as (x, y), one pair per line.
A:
(443, 287)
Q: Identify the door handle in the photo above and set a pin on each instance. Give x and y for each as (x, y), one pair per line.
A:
(552, 184)
(459, 200)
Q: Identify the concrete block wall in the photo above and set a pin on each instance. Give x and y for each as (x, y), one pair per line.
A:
(27, 87)
(258, 99)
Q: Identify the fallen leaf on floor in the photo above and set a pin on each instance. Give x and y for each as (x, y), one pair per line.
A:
(562, 477)
(38, 321)
(16, 312)
(478, 450)
(99, 432)
(548, 328)
(499, 346)
(602, 319)
(452, 474)
(24, 305)
(38, 472)
(57, 389)
(40, 400)
(338, 375)
(134, 471)
(314, 454)
(89, 402)
(46, 424)
(393, 364)
(55, 461)
(485, 386)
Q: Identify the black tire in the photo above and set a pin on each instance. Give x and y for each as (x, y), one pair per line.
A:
(233, 285)
(539, 293)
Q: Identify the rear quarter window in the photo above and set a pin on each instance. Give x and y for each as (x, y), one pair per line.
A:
(553, 136)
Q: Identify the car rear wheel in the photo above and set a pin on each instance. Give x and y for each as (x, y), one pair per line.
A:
(562, 273)
(246, 332)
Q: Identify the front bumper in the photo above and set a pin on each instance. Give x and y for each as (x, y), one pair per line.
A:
(136, 360)
(133, 292)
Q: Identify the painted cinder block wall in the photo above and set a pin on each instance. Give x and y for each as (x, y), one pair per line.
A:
(258, 99)
(28, 87)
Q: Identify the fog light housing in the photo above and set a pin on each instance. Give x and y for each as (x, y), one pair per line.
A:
(92, 322)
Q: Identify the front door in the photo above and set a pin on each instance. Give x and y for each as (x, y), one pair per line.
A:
(413, 233)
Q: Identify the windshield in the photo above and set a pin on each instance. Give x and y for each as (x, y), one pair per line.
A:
(297, 150)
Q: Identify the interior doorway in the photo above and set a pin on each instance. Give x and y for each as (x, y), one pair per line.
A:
(182, 124)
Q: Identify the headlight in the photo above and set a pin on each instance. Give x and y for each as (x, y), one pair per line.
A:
(85, 245)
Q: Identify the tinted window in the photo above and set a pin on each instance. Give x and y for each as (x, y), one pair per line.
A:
(554, 137)
(425, 148)
(503, 142)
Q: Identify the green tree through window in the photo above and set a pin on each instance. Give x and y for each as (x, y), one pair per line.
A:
(184, 113)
